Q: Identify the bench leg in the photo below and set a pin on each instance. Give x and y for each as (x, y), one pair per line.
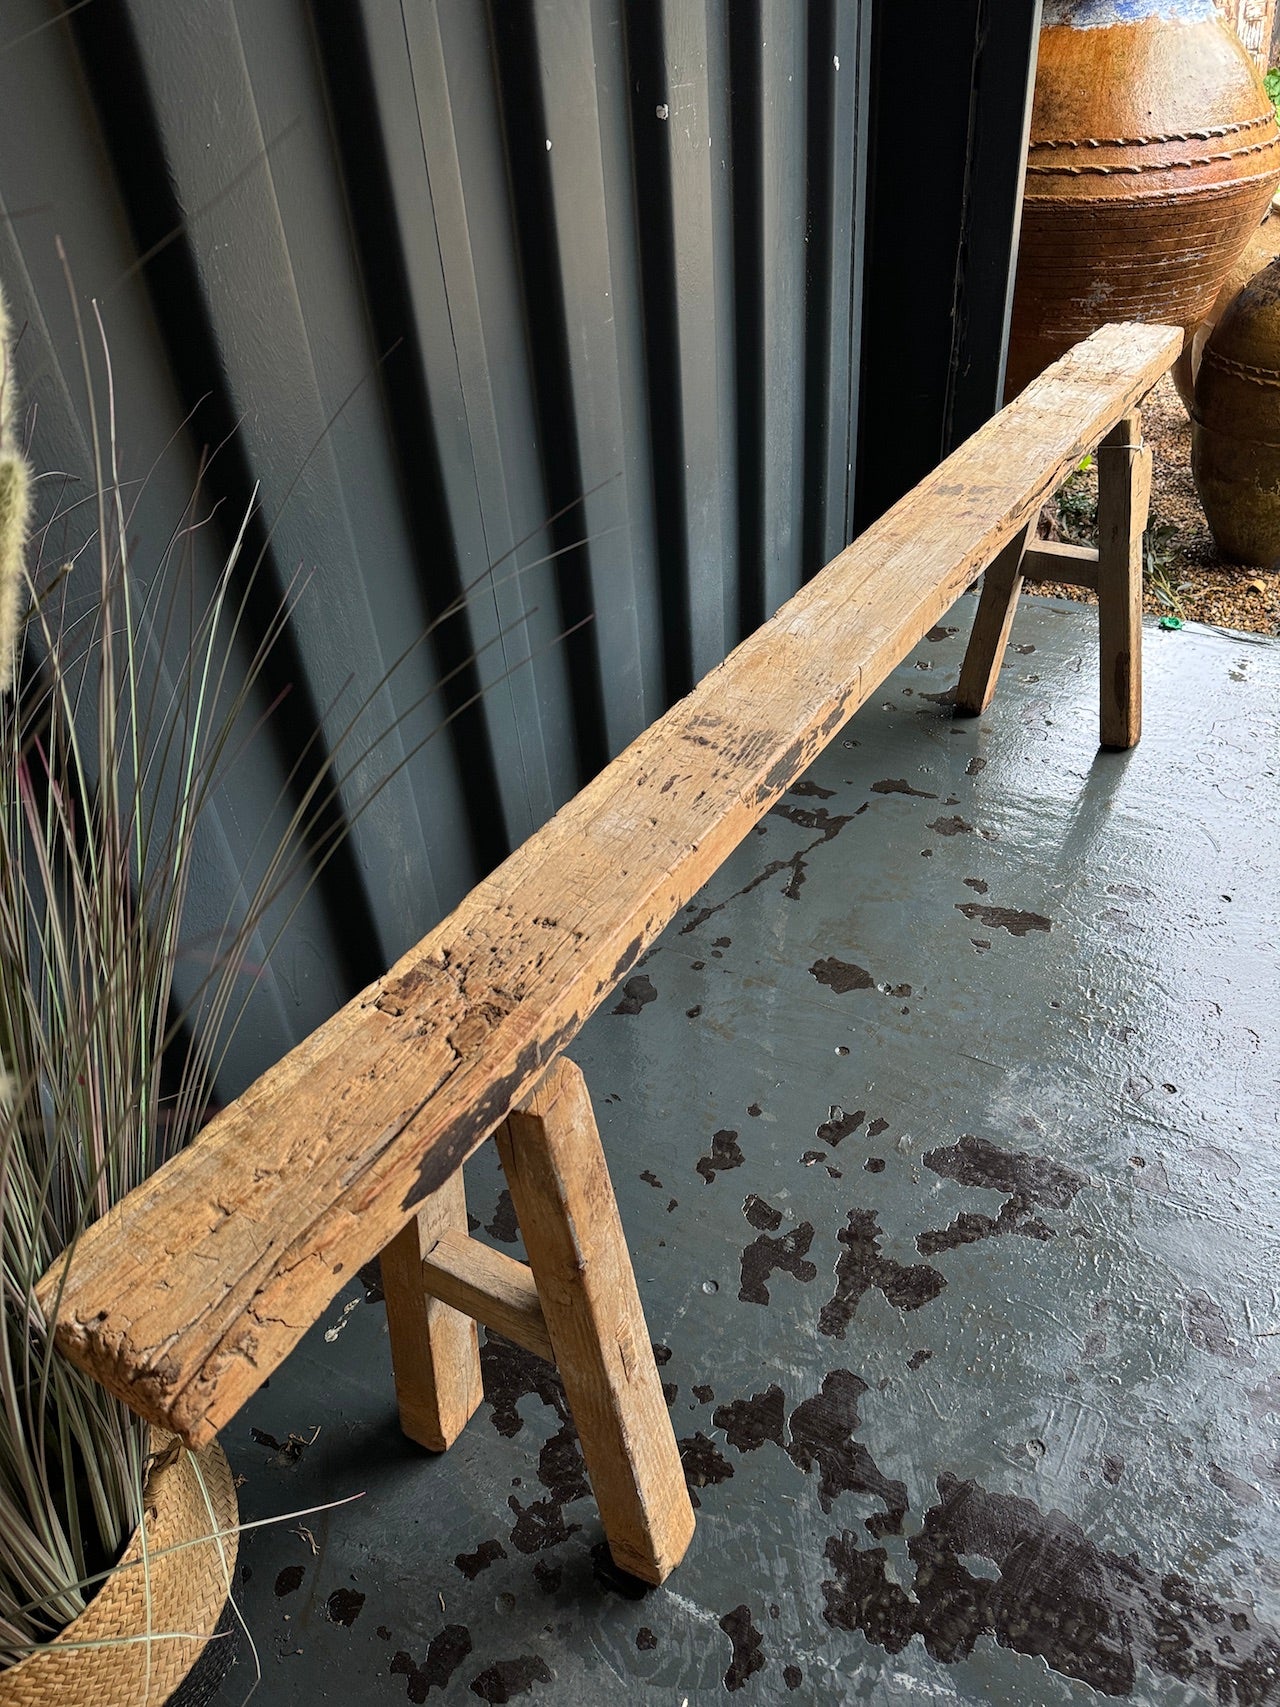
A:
(1001, 586)
(564, 1202)
(435, 1352)
(1124, 496)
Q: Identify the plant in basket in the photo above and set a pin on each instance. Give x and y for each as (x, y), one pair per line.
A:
(117, 1546)
(104, 773)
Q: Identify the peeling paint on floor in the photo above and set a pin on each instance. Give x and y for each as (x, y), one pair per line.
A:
(944, 1128)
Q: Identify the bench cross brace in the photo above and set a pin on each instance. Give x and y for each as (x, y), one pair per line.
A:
(1113, 571)
(575, 1303)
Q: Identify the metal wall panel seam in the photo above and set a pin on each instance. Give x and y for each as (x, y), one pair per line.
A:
(543, 313)
(249, 288)
(695, 141)
(67, 186)
(784, 116)
(463, 149)
(312, 312)
(653, 265)
(652, 138)
(1005, 59)
(579, 48)
(408, 284)
(165, 231)
(943, 204)
(742, 26)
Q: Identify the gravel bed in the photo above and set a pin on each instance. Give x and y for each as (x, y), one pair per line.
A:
(1187, 577)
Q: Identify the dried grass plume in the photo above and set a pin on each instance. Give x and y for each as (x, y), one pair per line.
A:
(15, 510)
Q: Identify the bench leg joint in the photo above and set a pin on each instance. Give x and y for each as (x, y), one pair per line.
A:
(575, 1303)
(1001, 585)
(435, 1350)
(1124, 498)
(563, 1197)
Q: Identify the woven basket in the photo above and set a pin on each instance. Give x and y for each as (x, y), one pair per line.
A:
(188, 1592)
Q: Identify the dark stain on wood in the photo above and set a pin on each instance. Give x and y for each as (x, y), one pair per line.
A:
(1121, 677)
(463, 1135)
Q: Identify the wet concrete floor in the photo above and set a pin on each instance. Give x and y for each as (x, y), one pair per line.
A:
(944, 1128)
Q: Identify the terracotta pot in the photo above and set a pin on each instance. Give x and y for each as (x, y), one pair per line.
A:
(1154, 152)
(187, 1591)
(1262, 247)
(1235, 425)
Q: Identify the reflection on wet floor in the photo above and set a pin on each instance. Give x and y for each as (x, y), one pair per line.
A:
(944, 1128)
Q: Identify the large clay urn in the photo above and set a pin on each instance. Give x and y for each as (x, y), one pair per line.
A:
(1154, 152)
(1235, 425)
(1262, 247)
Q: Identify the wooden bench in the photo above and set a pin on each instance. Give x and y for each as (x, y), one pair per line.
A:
(190, 1292)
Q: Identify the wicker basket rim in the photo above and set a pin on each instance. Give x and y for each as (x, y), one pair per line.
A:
(188, 1592)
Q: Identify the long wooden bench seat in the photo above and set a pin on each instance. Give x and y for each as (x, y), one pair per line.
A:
(189, 1293)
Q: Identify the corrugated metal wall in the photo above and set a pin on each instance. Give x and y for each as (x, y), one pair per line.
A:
(573, 288)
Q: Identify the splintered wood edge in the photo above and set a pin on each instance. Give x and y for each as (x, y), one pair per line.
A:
(184, 1342)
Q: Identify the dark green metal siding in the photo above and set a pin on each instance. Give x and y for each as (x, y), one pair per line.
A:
(452, 284)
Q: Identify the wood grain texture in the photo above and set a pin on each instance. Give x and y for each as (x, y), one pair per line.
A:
(190, 1292)
(490, 1286)
(997, 606)
(1124, 496)
(564, 1202)
(1055, 560)
(435, 1351)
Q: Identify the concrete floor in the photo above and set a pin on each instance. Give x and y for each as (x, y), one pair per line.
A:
(944, 1128)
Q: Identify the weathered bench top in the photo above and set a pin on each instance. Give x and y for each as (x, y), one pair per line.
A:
(189, 1293)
